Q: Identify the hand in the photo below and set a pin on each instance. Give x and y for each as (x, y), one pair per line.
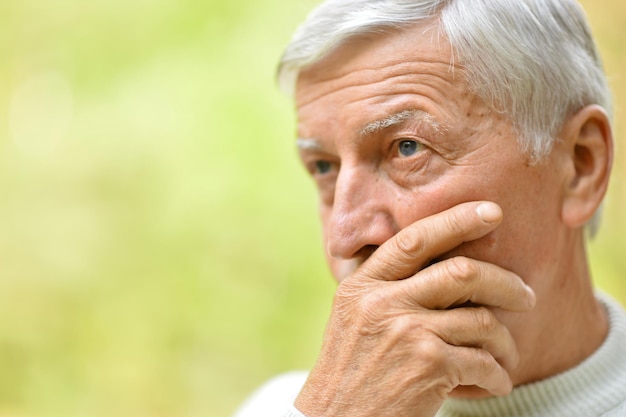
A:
(403, 333)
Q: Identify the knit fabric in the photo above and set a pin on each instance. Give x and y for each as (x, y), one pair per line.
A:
(594, 388)
(275, 398)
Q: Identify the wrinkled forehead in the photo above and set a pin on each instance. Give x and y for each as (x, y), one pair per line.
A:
(388, 70)
(424, 41)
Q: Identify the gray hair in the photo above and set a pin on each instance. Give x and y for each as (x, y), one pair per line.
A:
(533, 60)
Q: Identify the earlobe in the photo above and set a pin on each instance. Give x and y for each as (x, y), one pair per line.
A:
(589, 138)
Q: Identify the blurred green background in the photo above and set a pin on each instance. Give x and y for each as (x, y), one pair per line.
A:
(159, 245)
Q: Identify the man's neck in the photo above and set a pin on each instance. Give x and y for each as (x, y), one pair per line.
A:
(566, 326)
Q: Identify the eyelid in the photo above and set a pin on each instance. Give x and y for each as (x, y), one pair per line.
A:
(400, 138)
(314, 167)
(310, 158)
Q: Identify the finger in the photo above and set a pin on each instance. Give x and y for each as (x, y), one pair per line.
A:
(460, 280)
(417, 244)
(477, 367)
(475, 327)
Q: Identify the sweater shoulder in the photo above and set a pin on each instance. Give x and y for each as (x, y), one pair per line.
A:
(275, 397)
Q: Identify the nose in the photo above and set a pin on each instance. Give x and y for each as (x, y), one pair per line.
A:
(361, 218)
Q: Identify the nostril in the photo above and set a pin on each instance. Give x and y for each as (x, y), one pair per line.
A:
(365, 252)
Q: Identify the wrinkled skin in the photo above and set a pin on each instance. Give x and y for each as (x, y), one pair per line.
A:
(437, 226)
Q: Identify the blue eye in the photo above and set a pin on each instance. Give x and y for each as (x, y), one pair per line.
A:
(322, 167)
(408, 147)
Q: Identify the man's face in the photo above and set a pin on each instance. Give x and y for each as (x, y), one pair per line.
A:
(391, 134)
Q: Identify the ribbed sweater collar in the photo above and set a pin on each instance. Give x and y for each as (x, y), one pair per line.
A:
(592, 388)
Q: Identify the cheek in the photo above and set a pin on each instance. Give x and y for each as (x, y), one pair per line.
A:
(435, 197)
(519, 190)
(452, 190)
(525, 238)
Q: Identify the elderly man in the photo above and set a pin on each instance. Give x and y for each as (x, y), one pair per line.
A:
(461, 149)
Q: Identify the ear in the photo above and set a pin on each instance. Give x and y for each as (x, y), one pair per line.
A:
(589, 141)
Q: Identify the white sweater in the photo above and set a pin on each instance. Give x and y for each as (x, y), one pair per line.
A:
(594, 388)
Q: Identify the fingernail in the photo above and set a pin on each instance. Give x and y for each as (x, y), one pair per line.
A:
(489, 212)
(532, 298)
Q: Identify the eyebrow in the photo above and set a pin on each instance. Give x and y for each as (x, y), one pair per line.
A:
(397, 118)
(378, 125)
(305, 144)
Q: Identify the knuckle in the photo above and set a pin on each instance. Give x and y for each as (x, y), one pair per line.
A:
(434, 364)
(402, 327)
(372, 304)
(408, 245)
(431, 353)
(490, 369)
(462, 269)
(484, 363)
(485, 321)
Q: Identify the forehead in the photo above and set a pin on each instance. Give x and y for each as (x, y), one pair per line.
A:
(424, 42)
(409, 68)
